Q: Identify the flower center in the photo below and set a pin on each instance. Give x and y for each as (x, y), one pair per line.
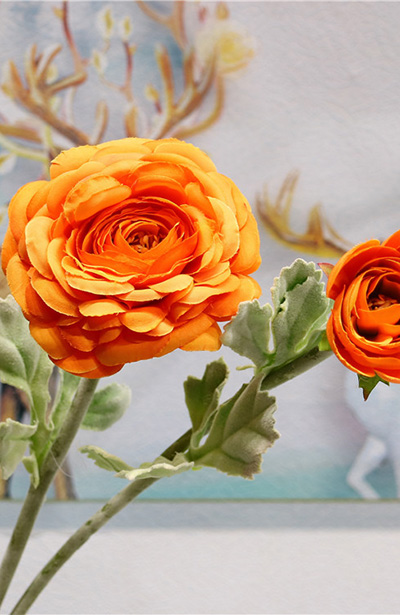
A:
(143, 241)
(378, 302)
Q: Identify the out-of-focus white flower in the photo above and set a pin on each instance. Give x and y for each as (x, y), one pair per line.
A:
(99, 61)
(125, 29)
(105, 22)
(227, 42)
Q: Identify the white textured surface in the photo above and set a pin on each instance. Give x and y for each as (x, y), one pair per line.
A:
(229, 571)
(242, 558)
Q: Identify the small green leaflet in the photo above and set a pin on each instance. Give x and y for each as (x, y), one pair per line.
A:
(202, 396)
(274, 336)
(107, 407)
(234, 437)
(159, 468)
(25, 366)
(14, 439)
(367, 384)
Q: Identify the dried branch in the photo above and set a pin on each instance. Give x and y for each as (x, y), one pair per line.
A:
(192, 96)
(319, 238)
(174, 21)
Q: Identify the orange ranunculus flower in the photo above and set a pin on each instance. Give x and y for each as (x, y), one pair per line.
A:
(133, 248)
(364, 327)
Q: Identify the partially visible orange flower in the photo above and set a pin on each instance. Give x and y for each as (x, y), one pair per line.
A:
(364, 327)
(133, 248)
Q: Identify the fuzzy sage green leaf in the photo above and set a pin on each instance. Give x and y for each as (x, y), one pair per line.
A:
(108, 406)
(202, 395)
(159, 468)
(233, 437)
(25, 366)
(105, 460)
(14, 439)
(301, 310)
(273, 336)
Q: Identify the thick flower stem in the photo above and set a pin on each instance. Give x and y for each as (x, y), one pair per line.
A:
(35, 496)
(294, 368)
(129, 493)
(100, 518)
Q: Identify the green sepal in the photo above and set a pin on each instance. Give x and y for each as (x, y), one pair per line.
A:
(108, 406)
(14, 439)
(324, 345)
(32, 467)
(368, 383)
(241, 430)
(202, 395)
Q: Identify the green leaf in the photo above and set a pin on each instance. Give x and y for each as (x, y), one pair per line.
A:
(23, 364)
(107, 407)
(202, 396)
(296, 322)
(32, 467)
(241, 431)
(105, 460)
(159, 468)
(248, 333)
(301, 310)
(14, 439)
(367, 384)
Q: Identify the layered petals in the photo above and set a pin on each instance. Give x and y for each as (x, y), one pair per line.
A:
(132, 249)
(364, 327)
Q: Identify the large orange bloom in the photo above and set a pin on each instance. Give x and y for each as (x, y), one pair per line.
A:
(364, 327)
(133, 248)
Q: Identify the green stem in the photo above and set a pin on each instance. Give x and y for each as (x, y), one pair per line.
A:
(100, 518)
(129, 493)
(295, 368)
(35, 496)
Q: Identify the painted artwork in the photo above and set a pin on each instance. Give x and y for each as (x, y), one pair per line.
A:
(298, 103)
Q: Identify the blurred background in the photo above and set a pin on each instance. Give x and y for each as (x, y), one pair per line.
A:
(299, 104)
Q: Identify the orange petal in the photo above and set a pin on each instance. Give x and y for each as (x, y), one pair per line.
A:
(101, 307)
(8, 249)
(143, 319)
(187, 151)
(248, 258)
(71, 159)
(92, 195)
(37, 238)
(123, 351)
(79, 339)
(61, 185)
(187, 333)
(50, 339)
(94, 286)
(226, 306)
(18, 205)
(54, 295)
(86, 365)
(173, 284)
(228, 228)
(209, 340)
